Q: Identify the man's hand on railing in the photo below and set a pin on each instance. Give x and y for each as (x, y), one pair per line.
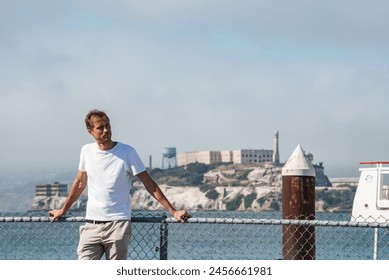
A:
(55, 214)
(182, 216)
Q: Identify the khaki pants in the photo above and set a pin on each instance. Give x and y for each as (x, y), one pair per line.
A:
(111, 238)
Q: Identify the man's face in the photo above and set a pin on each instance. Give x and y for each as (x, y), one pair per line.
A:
(101, 129)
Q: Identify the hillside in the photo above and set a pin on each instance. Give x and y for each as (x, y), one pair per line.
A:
(235, 187)
(197, 187)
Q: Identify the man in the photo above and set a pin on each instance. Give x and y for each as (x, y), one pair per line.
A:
(107, 168)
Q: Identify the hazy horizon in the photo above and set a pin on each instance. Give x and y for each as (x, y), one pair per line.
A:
(195, 75)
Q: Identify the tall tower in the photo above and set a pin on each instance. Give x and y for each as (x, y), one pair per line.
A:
(169, 159)
(276, 153)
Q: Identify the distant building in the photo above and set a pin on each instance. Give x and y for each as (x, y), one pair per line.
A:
(235, 156)
(344, 181)
(51, 196)
(252, 156)
(51, 190)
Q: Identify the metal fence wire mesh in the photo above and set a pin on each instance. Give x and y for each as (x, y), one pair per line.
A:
(204, 237)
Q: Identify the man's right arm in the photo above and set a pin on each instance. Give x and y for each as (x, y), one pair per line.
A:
(78, 187)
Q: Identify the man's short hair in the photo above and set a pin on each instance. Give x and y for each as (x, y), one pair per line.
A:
(94, 113)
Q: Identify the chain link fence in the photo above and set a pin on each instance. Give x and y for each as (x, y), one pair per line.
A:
(206, 236)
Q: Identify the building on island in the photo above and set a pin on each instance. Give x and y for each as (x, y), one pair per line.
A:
(232, 156)
(236, 156)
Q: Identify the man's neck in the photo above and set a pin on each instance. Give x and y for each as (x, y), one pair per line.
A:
(105, 146)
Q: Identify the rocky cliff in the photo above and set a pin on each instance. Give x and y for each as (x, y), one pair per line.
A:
(231, 187)
(236, 187)
(240, 198)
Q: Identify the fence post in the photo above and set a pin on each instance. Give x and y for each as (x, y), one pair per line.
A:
(376, 243)
(163, 240)
(298, 203)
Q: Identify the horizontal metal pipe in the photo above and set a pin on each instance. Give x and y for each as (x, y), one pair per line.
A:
(328, 223)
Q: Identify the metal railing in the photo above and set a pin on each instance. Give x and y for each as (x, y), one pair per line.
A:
(155, 236)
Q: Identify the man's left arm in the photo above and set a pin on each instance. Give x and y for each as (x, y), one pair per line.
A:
(155, 191)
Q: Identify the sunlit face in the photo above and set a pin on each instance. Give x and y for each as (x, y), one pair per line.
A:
(101, 129)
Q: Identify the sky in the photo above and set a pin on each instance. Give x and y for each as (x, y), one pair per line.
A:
(195, 75)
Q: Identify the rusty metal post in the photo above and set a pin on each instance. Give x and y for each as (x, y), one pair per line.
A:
(298, 203)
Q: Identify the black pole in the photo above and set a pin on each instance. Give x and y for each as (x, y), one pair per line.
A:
(163, 240)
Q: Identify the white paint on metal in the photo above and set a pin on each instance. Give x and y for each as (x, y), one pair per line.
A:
(298, 164)
(371, 199)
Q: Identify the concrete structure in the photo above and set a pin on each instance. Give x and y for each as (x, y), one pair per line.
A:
(227, 156)
(252, 156)
(350, 181)
(233, 156)
(51, 190)
(53, 196)
(276, 152)
(49, 196)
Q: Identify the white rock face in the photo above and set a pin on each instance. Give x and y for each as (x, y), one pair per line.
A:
(242, 187)
(266, 177)
(192, 198)
(237, 187)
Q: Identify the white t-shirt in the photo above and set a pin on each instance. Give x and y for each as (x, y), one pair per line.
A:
(109, 180)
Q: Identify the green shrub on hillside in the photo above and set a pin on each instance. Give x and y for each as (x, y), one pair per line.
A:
(248, 199)
(336, 198)
(234, 204)
(275, 205)
(212, 194)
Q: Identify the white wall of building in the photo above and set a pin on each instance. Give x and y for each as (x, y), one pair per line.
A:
(236, 156)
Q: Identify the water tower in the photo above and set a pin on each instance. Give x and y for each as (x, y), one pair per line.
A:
(169, 159)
